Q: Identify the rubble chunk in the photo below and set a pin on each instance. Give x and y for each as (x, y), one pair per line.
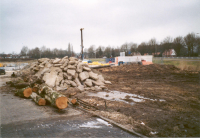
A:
(107, 82)
(71, 67)
(73, 83)
(88, 82)
(83, 76)
(71, 72)
(93, 75)
(86, 68)
(56, 61)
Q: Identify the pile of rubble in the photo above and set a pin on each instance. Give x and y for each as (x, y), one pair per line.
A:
(60, 74)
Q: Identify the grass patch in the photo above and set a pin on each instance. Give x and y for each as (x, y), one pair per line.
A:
(182, 64)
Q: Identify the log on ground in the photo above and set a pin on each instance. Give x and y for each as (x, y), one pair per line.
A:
(24, 92)
(55, 98)
(38, 99)
(21, 85)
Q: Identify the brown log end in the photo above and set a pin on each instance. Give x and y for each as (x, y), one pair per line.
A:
(35, 89)
(42, 102)
(27, 92)
(73, 101)
(61, 102)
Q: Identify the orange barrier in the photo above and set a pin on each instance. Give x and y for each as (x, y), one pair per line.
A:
(146, 62)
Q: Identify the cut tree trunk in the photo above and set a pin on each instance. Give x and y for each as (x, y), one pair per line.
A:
(21, 85)
(38, 99)
(25, 92)
(73, 101)
(35, 89)
(55, 98)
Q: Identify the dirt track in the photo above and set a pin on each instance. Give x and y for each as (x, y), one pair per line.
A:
(178, 115)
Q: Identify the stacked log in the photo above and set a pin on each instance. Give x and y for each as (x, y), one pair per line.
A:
(42, 93)
(55, 98)
(38, 99)
(24, 92)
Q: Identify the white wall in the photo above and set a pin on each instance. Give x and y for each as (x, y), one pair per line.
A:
(133, 58)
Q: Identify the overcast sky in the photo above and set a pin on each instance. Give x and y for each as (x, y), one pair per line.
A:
(55, 23)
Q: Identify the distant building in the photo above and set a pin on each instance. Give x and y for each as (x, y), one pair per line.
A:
(169, 53)
(24, 56)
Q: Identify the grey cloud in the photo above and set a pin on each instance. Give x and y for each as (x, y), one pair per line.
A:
(56, 23)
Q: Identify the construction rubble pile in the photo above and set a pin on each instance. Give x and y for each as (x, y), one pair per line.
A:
(60, 74)
(43, 80)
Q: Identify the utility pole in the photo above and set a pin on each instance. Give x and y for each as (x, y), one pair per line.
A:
(81, 43)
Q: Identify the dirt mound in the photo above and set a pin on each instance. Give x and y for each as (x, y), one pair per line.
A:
(177, 115)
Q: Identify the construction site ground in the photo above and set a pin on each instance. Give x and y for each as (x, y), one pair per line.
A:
(154, 100)
(168, 99)
(21, 117)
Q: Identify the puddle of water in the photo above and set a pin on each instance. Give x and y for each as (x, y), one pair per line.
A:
(121, 96)
(115, 96)
(95, 124)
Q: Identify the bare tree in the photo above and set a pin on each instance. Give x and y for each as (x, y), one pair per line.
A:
(190, 43)
(153, 43)
(24, 51)
(91, 51)
(178, 45)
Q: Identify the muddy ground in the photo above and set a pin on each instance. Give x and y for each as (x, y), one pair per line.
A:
(174, 105)
(170, 97)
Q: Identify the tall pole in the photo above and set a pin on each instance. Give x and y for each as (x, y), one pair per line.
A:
(81, 43)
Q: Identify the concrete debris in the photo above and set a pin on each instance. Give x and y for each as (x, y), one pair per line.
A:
(61, 74)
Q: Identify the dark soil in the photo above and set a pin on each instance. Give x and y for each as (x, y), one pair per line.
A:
(178, 115)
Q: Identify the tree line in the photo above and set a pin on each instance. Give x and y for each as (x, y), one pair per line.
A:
(44, 52)
(188, 45)
(183, 46)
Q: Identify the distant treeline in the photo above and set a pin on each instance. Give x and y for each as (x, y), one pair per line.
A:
(183, 46)
(188, 45)
(44, 52)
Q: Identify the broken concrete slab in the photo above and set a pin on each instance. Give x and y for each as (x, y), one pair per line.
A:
(57, 65)
(88, 82)
(83, 76)
(56, 61)
(107, 82)
(41, 72)
(69, 77)
(98, 82)
(59, 79)
(77, 81)
(48, 65)
(53, 76)
(93, 75)
(71, 67)
(71, 72)
(73, 84)
(97, 88)
(81, 88)
(101, 78)
(79, 68)
(86, 69)
(71, 62)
